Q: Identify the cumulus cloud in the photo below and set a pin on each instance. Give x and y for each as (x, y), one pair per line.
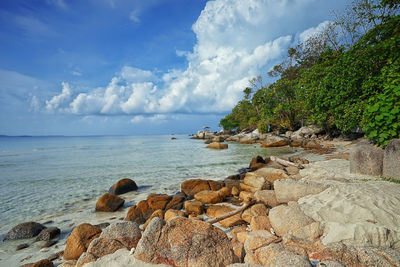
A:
(236, 41)
(313, 30)
(59, 102)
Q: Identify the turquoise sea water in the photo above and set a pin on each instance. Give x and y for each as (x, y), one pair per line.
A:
(51, 176)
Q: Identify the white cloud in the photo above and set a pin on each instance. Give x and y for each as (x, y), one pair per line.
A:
(236, 41)
(134, 15)
(313, 30)
(60, 101)
(76, 73)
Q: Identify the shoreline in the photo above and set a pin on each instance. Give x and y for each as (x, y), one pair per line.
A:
(341, 148)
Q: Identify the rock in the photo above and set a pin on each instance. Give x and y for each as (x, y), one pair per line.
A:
(208, 197)
(247, 215)
(216, 145)
(49, 243)
(238, 249)
(288, 219)
(391, 159)
(79, 240)
(139, 213)
(170, 214)
(127, 233)
(100, 247)
(256, 163)
(194, 217)
(218, 139)
(157, 213)
(244, 265)
(271, 174)
(109, 202)
(312, 144)
(274, 165)
(22, 246)
(123, 186)
(329, 264)
(194, 206)
(24, 230)
(219, 210)
(260, 223)
(366, 159)
(275, 141)
(193, 186)
(268, 197)
(47, 234)
(258, 239)
(70, 263)
(292, 190)
(103, 225)
(238, 229)
(246, 196)
(259, 210)
(184, 242)
(235, 191)
(292, 170)
(158, 201)
(242, 236)
(256, 182)
(306, 131)
(176, 203)
(41, 263)
(310, 232)
(85, 258)
(224, 192)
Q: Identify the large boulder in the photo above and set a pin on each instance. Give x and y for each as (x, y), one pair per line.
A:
(288, 219)
(139, 213)
(216, 145)
(127, 233)
(194, 206)
(100, 247)
(292, 190)
(268, 197)
(158, 201)
(184, 242)
(209, 197)
(271, 174)
(79, 240)
(391, 160)
(306, 132)
(275, 141)
(176, 202)
(24, 230)
(366, 159)
(109, 202)
(220, 210)
(193, 186)
(123, 186)
(255, 182)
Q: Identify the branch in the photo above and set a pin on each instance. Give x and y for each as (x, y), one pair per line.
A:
(285, 162)
(229, 214)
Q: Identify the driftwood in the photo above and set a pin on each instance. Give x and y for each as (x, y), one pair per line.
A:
(285, 162)
(229, 214)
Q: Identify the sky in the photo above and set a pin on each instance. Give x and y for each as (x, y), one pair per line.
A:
(133, 67)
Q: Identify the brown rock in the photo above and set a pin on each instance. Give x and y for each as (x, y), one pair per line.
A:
(215, 185)
(216, 145)
(275, 141)
(260, 223)
(238, 249)
(274, 165)
(247, 215)
(256, 182)
(208, 197)
(157, 213)
(268, 197)
(236, 230)
(366, 159)
(123, 186)
(109, 203)
(170, 214)
(79, 240)
(246, 196)
(312, 145)
(184, 242)
(220, 210)
(193, 186)
(100, 247)
(292, 170)
(158, 201)
(259, 210)
(194, 206)
(224, 192)
(139, 213)
(235, 191)
(194, 217)
(271, 175)
(41, 263)
(176, 203)
(254, 163)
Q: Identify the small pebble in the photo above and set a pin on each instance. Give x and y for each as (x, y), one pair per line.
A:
(22, 246)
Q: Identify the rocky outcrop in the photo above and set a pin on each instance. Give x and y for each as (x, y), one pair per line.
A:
(24, 230)
(366, 159)
(292, 190)
(216, 145)
(271, 174)
(109, 203)
(184, 242)
(391, 160)
(275, 141)
(193, 186)
(268, 197)
(79, 240)
(123, 186)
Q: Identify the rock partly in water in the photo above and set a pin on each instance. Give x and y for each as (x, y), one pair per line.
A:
(123, 186)
(184, 242)
(215, 145)
(366, 159)
(24, 230)
(391, 160)
(109, 203)
(47, 234)
(139, 213)
(79, 240)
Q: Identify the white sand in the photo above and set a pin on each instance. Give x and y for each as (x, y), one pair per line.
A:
(355, 209)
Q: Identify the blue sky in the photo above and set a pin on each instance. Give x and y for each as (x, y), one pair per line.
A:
(85, 67)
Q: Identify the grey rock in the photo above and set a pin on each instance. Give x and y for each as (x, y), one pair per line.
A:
(292, 190)
(366, 159)
(22, 246)
(24, 230)
(47, 234)
(391, 159)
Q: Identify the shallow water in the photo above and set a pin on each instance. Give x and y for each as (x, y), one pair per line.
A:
(50, 178)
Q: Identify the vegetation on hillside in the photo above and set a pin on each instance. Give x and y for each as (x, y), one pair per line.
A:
(344, 78)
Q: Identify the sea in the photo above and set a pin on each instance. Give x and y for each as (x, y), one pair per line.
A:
(58, 179)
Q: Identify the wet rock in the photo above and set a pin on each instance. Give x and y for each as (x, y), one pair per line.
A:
(208, 197)
(184, 242)
(102, 225)
(47, 234)
(288, 219)
(79, 240)
(271, 174)
(194, 206)
(109, 203)
(22, 246)
(215, 145)
(123, 186)
(268, 197)
(366, 159)
(127, 233)
(24, 230)
(391, 159)
(292, 190)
